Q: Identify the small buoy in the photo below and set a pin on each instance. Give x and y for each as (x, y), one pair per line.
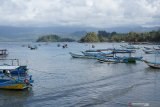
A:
(26, 81)
(138, 104)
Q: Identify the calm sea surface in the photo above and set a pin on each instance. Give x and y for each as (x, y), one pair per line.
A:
(61, 81)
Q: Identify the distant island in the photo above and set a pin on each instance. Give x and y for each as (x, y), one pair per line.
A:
(53, 38)
(103, 36)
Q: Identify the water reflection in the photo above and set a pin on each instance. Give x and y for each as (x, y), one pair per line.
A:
(15, 98)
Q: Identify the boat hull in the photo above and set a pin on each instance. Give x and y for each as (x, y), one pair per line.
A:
(153, 65)
(15, 87)
(108, 60)
(81, 56)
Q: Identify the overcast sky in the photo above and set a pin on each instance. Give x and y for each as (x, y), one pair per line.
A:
(87, 13)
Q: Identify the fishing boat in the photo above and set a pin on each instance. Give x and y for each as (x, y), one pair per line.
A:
(157, 49)
(124, 51)
(147, 48)
(99, 50)
(114, 50)
(33, 47)
(98, 54)
(152, 64)
(129, 47)
(14, 76)
(15, 83)
(81, 56)
(129, 59)
(14, 68)
(108, 60)
(150, 51)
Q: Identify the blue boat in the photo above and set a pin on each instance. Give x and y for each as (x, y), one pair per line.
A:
(109, 60)
(21, 70)
(129, 59)
(14, 76)
(14, 67)
(15, 83)
(98, 54)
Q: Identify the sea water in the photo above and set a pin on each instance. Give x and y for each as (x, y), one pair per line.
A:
(62, 81)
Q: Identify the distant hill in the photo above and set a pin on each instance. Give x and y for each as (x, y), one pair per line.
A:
(33, 33)
(53, 38)
(124, 29)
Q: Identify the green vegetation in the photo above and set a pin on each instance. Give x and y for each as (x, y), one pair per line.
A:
(90, 37)
(53, 38)
(103, 36)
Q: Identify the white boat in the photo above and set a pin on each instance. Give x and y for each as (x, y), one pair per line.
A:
(149, 51)
(81, 56)
(153, 64)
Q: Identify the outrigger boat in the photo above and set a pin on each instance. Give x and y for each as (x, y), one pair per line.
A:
(98, 54)
(129, 47)
(147, 48)
(149, 51)
(11, 77)
(124, 51)
(109, 60)
(129, 59)
(81, 56)
(113, 50)
(152, 64)
(157, 49)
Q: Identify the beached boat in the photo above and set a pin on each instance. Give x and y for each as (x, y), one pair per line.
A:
(152, 64)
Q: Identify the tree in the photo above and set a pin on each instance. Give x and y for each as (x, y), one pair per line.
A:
(90, 37)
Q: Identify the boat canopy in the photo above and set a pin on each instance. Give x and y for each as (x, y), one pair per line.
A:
(6, 67)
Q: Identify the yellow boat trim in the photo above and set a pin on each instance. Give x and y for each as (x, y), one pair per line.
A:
(15, 86)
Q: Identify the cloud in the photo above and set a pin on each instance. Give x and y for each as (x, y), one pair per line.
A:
(88, 13)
